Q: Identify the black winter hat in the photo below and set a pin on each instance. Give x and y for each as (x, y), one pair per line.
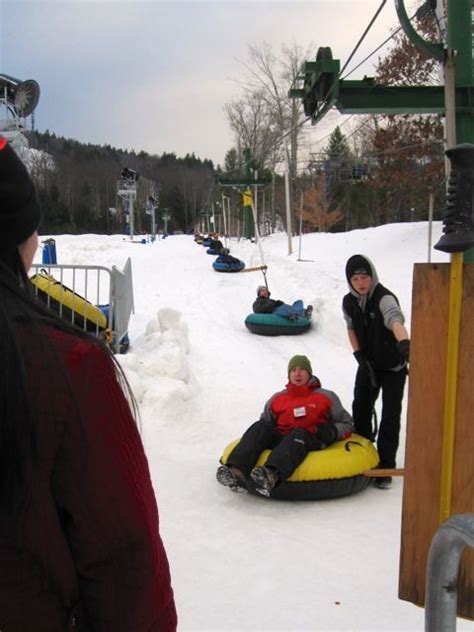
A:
(20, 213)
(357, 264)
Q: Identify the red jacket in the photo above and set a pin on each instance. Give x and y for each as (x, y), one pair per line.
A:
(88, 533)
(307, 407)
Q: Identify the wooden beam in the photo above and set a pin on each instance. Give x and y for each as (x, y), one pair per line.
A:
(387, 471)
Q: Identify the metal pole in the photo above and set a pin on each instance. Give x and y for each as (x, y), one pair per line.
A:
(218, 223)
(248, 219)
(288, 208)
(273, 202)
(457, 71)
(301, 224)
(255, 198)
(459, 43)
(130, 215)
(430, 223)
(442, 572)
(225, 221)
(449, 103)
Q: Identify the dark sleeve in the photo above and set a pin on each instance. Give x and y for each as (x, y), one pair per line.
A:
(264, 305)
(103, 488)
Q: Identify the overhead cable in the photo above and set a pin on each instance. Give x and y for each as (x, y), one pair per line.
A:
(383, 3)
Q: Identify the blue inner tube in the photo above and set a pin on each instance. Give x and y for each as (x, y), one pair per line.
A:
(228, 267)
(274, 325)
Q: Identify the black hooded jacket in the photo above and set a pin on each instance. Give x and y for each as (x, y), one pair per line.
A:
(364, 316)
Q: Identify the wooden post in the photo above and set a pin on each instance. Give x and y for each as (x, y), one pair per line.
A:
(424, 444)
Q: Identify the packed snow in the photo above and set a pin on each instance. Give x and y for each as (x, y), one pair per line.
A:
(241, 562)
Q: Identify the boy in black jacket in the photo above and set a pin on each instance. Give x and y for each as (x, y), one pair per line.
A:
(380, 342)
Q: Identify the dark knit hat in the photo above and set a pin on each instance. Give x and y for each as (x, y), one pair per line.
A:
(300, 361)
(261, 287)
(20, 213)
(357, 264)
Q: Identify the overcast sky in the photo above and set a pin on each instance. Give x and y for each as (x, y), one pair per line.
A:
(155, 75)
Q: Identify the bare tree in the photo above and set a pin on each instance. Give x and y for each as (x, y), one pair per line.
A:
(250, 119)
(273, 121)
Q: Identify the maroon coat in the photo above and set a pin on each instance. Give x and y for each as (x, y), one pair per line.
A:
(88, 534)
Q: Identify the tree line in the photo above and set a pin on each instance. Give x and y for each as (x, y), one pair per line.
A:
(77, 185)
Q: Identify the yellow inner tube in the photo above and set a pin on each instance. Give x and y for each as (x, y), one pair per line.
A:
(63, 295)
(349, 457)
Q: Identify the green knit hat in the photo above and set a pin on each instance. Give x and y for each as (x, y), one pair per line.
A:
(300, 361)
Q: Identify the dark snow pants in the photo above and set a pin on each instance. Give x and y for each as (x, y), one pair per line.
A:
(288, 451)
(392, 384)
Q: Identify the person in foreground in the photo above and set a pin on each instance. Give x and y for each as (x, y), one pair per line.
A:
(79, 542)
(266, 305)
(381, 345)
(302, 417)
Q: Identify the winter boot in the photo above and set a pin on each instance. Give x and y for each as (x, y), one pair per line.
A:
(265, 479)
(232, 478)
(308, 312)
(383, 482)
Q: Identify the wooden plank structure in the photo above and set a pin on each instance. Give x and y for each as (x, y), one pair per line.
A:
(422, 479)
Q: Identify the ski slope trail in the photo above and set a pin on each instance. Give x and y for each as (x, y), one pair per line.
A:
(238, 562)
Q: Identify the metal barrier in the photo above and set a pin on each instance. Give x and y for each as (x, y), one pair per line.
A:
(122, 299)
(442, 572)
(107, 291)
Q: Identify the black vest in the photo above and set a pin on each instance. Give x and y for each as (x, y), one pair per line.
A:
(376, 341)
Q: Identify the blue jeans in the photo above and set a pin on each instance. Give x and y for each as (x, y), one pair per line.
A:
(297, 309)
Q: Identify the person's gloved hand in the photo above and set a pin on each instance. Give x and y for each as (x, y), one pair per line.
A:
(404, 348)
(360, 357)
(326, 433)
(366, 366)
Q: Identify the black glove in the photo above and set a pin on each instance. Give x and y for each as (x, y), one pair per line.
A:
(366, 366)
(360, 357)
(404, 349)
(326, 433)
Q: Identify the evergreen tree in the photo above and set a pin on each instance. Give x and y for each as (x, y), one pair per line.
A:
(337, 170)
(231, 166)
